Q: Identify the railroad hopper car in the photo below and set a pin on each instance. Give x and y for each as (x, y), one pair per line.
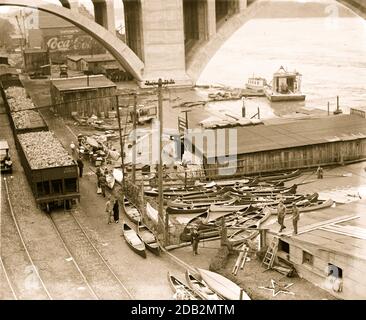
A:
(51, 172)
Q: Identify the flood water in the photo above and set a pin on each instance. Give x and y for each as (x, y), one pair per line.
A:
(329, 52)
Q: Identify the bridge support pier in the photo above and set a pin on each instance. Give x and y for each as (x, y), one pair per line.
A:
(161, 40)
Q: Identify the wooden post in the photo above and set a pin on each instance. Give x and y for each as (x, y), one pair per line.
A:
(134, 140)
(121, 143)
(160, 84)
(241, 294)
(259, 113)
(243, 113)
(328, 108)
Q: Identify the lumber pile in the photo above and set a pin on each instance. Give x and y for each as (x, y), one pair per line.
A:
(44, 150)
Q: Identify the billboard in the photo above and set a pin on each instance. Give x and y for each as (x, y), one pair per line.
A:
(71, 41)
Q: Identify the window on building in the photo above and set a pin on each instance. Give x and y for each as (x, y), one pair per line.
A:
(307, 258)
(283, 246)
(335, 271)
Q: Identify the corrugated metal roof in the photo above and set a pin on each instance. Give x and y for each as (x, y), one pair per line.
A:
(76, 83)
(286, 135)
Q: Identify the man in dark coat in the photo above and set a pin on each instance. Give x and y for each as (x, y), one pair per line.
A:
(116, 211)
(81, 167)
(295, 217)
(195, 240)
(281, 212)
(102, 184)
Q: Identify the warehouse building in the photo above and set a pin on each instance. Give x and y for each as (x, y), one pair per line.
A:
(279, 147)
(86, 96)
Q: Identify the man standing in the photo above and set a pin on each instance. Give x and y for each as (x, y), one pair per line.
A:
(116, 211)
(195, 240)
(319, 172)
(109, 210)
(102, 184)
(281, 212)
(295, 217)
(81, 167)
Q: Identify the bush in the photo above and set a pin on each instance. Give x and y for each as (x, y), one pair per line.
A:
(220, 260)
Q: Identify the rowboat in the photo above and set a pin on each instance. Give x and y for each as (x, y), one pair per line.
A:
(133, 240)
(171, 210)
(152, 213)
(181, 289)
(196, 221)
(282, 177)
(200, 287)
(110, 180)
(222, 286)
(176, 192)
(227, 208)
(148, 238)
(131, 211)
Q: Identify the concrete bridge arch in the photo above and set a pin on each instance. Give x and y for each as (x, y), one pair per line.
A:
(122, 53)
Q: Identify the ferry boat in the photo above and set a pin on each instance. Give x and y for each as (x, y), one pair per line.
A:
(286, 86)
(256, 83)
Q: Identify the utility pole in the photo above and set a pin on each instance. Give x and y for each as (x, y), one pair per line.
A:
(121, 142)
(160, 84)
(134, 138)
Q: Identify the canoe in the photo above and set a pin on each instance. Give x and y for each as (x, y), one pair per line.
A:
(110, 180)
(201, 288)
(198, 220)
(171, 210)
(152, 213)
(222, 286)
(178, 285)
(314, 206)
(227, 208)
(131, 211)
(242, 235)
(282, 177)
(118, 175)
(176, 192)
(148, 238)
(199, 204)
(133, 240)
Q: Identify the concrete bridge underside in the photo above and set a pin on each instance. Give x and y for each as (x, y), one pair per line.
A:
(165, 38)
(122, 53)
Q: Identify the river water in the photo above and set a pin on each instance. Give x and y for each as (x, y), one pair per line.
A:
(330, 53)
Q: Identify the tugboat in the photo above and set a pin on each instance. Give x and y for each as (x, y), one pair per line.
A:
(286, 86)
(256, 84)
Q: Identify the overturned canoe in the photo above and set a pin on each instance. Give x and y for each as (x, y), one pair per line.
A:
(222, 286)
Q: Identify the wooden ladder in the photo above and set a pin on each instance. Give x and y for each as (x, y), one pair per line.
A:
(270, 255)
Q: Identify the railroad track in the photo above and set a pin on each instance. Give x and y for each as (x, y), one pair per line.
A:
(101, 280)
(8, 280)
(39, 286)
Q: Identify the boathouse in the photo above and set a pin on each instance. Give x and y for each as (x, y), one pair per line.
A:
(329, 249)
(86, 95)
(296, 144)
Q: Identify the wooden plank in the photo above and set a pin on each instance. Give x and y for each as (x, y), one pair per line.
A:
(321, 224)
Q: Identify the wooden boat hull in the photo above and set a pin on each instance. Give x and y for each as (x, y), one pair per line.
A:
(241, 236)
(318, 206)
(171, 210)
(200, 288)
(176, 285)
(222, 286)
(131, 212)
(133, 240)
(149, 239)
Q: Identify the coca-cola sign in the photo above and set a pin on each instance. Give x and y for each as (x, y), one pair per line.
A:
(70, 43)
